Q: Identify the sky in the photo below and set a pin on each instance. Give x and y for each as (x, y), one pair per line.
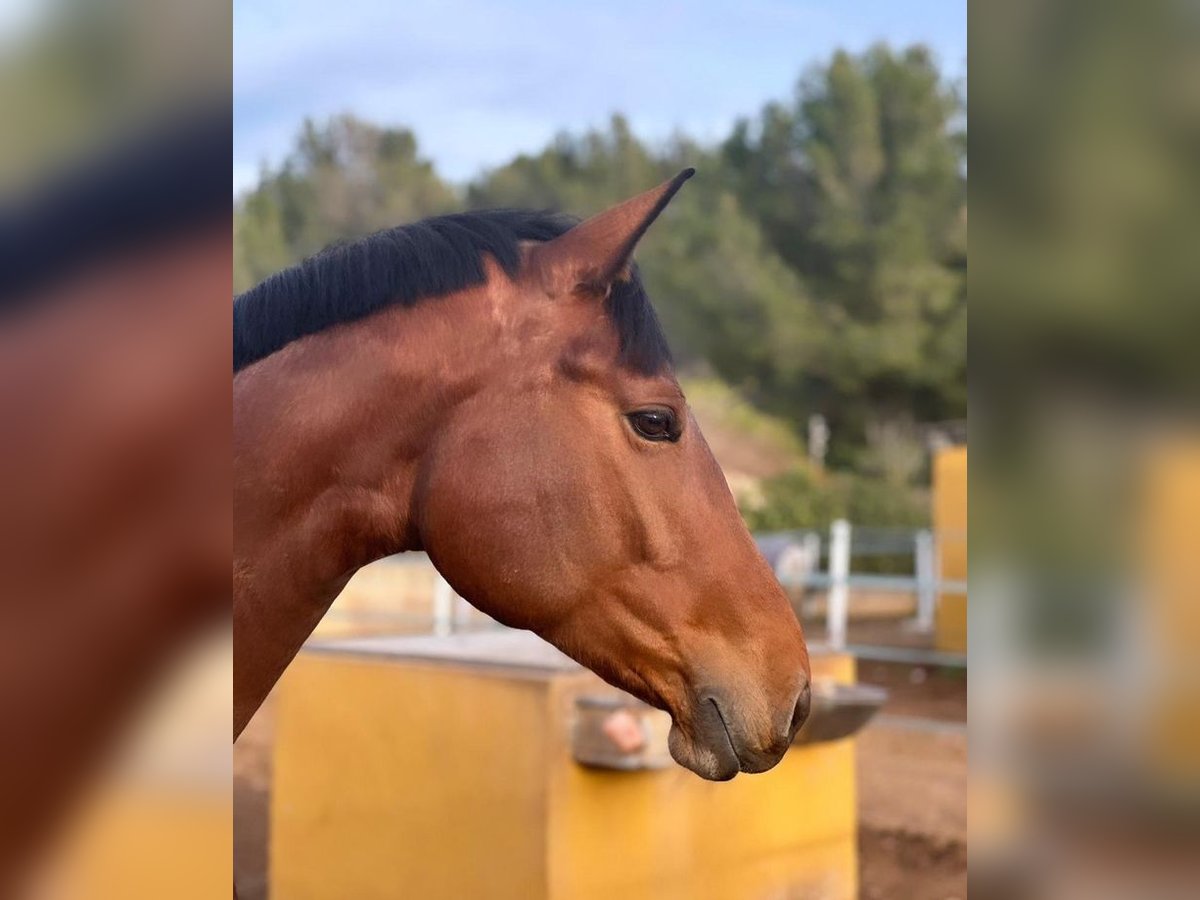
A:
(479, 81)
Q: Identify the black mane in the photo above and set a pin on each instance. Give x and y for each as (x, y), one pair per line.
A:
(401, 266)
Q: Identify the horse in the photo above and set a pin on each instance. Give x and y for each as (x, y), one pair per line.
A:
(494, 388)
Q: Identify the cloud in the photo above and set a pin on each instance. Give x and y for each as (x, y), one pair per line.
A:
(481, 81)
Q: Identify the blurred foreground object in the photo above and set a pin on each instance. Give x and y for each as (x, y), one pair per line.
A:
(115, 539)
(78, 75)
(161, 823)
(1086, 550)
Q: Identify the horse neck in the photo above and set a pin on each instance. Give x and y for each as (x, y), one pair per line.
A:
(329, 437)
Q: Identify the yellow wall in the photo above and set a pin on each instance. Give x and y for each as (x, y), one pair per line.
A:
(399, 777)
(1170, 573)
(950, 525)
(139, 843)
(417, 780)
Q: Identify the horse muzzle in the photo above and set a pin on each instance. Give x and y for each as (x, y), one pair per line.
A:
(723, 738)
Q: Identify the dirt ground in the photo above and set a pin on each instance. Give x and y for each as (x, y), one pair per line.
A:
(900, 866)
(912, 784)
(912, 776)
(919, 691)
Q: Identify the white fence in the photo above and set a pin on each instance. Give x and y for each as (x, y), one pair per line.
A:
(796, 557)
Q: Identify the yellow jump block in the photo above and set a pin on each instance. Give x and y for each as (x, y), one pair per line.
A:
(950, 523)
(443, 768)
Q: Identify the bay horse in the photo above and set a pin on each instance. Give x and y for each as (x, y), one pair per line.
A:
(494, 388)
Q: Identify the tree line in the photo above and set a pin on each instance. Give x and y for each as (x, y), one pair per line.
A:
(817, 264)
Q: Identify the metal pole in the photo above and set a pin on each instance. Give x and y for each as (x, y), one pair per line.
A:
(838, 603)
(926, 579)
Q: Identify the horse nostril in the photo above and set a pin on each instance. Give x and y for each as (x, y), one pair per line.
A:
(803, 704)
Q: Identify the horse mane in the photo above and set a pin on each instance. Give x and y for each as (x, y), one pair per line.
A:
(404, 265)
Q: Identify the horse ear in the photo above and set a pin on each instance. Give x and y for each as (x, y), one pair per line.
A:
(598, 251)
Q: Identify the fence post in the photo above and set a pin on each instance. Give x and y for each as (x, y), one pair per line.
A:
(838, 602)
(926, 580)
(443, 607)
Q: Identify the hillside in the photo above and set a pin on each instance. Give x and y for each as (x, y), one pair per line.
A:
(749, 444)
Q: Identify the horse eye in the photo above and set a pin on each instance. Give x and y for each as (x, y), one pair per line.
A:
(655, 424)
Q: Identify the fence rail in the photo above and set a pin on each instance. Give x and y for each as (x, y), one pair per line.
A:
(797, 555)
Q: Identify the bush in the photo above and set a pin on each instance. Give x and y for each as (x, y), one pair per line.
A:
(883, 503)
(801, 499)
(798, 499)
(794, 499)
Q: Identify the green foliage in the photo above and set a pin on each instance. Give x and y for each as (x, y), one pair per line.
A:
(878, 502)
(581, 174)
(344, 179)
(799, 500)
(860, 185)
(791, 501)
